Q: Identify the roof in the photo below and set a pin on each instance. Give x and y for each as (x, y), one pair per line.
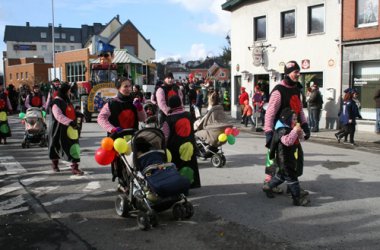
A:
(128, 22)
(122, 56)
(29, 33)
(208, 63)
(232, 4)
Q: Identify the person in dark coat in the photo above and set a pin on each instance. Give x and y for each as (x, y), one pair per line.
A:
(180, 140)
(63, 133)
(5, 109)
(287, 151)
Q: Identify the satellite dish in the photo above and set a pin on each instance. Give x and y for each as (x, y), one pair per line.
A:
(257, 55)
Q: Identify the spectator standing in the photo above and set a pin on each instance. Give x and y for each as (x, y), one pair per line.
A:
(377, 103)
(5, 109)
(315, 103)
(163, 94)
(247, 114)
(242, 97)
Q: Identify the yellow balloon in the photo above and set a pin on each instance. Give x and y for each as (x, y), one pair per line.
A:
(120, 145)
(127, 137)
(222, 137)
(129, 148)
(72, 133)
(168, 155)
(3, 116)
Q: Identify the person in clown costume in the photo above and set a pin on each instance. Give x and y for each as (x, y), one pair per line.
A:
(63, 133)
(5, 107)
(180, 140)
(53, 92)
(35, 98)
(121, 113)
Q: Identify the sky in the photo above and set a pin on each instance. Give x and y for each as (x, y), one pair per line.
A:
(179, 29)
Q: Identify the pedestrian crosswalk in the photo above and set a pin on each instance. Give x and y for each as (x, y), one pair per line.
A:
(15, 180)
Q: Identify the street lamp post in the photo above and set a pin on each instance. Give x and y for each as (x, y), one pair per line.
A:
(53, 38)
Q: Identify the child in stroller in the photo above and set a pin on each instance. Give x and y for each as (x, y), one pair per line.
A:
(149, 184)
(207, 129)
(35, 128)
(151, 115)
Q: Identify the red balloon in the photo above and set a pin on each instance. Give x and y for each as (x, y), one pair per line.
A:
(235, 131)
(104, 157)
(228, 131)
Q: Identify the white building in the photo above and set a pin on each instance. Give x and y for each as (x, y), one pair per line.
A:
(267, 34)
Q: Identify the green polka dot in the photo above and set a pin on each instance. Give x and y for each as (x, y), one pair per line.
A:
(4, 129)
(75, 151)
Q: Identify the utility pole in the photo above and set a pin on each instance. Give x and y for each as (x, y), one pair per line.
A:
(53, 38)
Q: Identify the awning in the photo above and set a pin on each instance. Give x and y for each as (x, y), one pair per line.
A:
(122, 56)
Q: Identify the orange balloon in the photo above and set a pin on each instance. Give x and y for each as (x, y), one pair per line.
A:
(107, 143)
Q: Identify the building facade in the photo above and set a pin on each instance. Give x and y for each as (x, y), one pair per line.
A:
(267, 34)
(361, 51)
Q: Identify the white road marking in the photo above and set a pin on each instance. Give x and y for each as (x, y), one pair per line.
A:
(10, 165)
(8, 206)
(93, 185)
(16, 186)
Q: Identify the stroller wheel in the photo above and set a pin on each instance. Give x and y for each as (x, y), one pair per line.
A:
(143, 221)
(179, 211)
(223, 160)
(189, 210)
(217, 160)
(122, 206)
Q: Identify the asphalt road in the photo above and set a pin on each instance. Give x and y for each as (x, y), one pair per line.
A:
(40, 209)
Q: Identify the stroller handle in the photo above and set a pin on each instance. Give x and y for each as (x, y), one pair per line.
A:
(124, 132)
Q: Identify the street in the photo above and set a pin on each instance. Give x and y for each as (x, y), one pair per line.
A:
(40, 209)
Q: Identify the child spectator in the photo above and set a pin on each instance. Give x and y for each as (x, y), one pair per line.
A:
(247, 114)
(287, 152)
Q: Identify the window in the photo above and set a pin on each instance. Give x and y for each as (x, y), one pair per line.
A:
(26, 75)
(63, 35)
(17, 76)
(75, 71)
(367, 12)
(56, 35)
(57, 48)
(288, 24)
(63, 48)
(72, 47)
(44, 47)
(22, 76)
(222, 74)
(316, 19)
(260, 26)
(72, 38)
(43, 35)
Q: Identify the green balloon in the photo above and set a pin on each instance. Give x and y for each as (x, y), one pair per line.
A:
(4, 129)
(231, 139)
(43, 113)
(188, 173)
(75, 151)
(21, 115)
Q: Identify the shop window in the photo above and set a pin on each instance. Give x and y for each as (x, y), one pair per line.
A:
(288, 25)
(367, 13)
(316, 19)
(260, 28)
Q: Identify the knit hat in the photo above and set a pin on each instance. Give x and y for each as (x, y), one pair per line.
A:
(174, 102)
(286, 116)
(290, 67)
(169, 75)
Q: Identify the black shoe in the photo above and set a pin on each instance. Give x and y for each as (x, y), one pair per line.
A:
(303, 192)
(302, 201)
(267, 190)
(337, 138)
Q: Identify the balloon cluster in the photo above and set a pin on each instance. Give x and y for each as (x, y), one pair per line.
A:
(229, 135)
(108, 149)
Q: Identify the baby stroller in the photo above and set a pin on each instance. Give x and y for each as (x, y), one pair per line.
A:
(155, 188)
(207, 130)
(151, 115)
(35, 128)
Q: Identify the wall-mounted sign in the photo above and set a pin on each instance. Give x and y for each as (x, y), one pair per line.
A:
(331, 62)
(305, 64)
(257, 55)
(24, 47)
(281, 66)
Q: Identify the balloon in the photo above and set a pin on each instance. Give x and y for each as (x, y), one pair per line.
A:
(228, 131)
(231, 139)
(128, 137)
(168, 155)
(235, 131)
(107, 143)
(3, 116)
(21, 115)
(129, 148)
(104, 157)
(75, 151)
(188, 173)
(186, 151)
(72, 133)
(43, 113)
(120, 145)
(222, 137)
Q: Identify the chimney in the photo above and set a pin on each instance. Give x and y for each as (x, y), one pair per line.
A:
(50, 24)
(27, 24)
(118, 17)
